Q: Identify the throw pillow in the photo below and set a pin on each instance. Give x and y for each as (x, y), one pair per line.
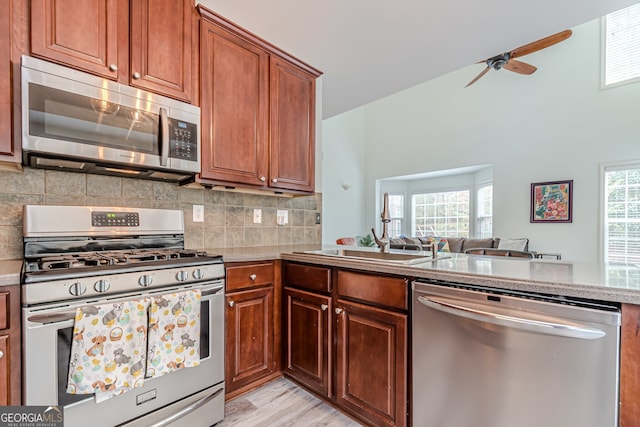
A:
(513, 244)
(441, 242)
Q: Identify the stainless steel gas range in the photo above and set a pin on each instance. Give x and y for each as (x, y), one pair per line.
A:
(80, 258)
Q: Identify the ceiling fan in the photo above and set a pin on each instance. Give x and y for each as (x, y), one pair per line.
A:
(507, 60)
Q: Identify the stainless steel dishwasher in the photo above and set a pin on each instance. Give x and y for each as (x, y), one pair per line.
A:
(486, 358)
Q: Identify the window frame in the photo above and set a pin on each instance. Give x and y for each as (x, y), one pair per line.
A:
(471, 202)
(603, 62)
(603, 220)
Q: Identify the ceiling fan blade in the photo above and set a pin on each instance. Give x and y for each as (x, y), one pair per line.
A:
(519, 67)
(540, 44)
(482, 73)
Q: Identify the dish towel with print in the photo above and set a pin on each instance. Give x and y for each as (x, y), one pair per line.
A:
(174, 332)
(108, 350)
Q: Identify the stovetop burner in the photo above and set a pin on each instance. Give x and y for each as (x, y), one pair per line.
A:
(105, 259)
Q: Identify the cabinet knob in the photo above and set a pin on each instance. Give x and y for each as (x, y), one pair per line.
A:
(263, 179)
(231, 303)
(324, 307)
(253, 277)
(136, 75)
(113, 67)
(274, 180)
(338, 311)
(1, 354)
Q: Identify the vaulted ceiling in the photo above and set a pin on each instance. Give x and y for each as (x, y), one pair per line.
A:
(368, 49)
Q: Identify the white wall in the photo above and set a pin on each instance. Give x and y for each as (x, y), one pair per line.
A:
(553, 125)
(343, 148)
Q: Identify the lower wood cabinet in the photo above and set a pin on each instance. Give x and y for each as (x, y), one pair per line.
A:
(346, 339)
(251, 323)
(630, 366)
(307, 320)
(371, 363)
(10, 363)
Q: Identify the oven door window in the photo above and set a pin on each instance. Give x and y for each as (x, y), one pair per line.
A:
(64, 355)
(62, 115)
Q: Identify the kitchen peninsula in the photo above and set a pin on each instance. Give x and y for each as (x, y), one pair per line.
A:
(326, 299)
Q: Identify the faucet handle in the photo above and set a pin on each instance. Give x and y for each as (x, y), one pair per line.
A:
(378, 242)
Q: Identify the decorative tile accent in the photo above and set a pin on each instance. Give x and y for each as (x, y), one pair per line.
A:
(228, 214)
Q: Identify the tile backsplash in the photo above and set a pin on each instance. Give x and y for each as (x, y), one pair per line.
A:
(228, 215)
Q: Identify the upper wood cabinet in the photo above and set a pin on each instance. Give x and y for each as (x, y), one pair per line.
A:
(258, 111)
(8, 35)
(146, 44)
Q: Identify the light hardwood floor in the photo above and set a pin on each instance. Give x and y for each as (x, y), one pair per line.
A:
(281, 403)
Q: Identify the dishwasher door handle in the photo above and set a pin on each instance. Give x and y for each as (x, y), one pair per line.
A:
(556, 327)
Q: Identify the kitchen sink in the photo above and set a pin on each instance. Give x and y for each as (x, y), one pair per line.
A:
(392, 257)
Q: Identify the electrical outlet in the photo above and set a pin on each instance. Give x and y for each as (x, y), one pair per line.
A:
(282, 217)
(257, 216)
(318, 218)
(198, 213)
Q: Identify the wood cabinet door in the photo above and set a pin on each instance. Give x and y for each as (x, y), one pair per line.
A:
(630, 366)
(234, 102)
(5, 371)
(6, 140)
(292, 129)
(162, 47)
(249, 336)
(89, 35)
(307, 336)
(371, 367)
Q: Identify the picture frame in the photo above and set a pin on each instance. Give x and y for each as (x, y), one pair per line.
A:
(552, 201)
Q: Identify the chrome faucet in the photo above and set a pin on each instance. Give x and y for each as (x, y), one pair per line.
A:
(384, 241)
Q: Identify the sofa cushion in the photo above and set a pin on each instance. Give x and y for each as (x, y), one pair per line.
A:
(412, 240)
(514, 244)
(477, 243)
(455, 243)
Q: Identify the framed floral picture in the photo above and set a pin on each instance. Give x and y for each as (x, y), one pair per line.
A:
(551, 201)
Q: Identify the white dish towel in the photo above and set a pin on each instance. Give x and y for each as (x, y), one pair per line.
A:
(108, 350)
(174, 332)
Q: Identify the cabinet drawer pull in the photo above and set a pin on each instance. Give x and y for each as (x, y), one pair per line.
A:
(274, 180)
(338, 311)
(324, 307)
(231, 303)
(136, 75)
(253, 277)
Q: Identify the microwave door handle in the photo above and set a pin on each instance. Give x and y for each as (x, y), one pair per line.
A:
(164, 139)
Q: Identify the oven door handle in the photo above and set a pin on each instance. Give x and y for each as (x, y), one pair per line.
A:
(52, 317)
(195, 405)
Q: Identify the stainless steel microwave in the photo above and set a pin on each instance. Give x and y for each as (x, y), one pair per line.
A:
(75, 121)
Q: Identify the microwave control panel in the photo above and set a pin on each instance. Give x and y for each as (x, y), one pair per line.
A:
(184, 140)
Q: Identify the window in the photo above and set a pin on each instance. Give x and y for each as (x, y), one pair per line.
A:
(440, 214)
(622, 214)
(484, 211)
(622, 45)
(396, 212)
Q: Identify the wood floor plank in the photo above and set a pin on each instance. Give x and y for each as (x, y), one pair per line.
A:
(281, 403)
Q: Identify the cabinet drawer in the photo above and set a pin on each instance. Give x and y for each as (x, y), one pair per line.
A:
(248, 276)
(4, 310)
(308, 277)
(388, 291)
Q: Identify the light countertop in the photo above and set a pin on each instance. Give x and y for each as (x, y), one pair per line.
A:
(599, 281)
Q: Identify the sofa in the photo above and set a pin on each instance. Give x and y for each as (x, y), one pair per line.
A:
(458, 244)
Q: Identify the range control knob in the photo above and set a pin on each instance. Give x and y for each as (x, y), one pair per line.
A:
(198, 274)
(102, 285)
(145, 280)
(76, 289)
(182, 276)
